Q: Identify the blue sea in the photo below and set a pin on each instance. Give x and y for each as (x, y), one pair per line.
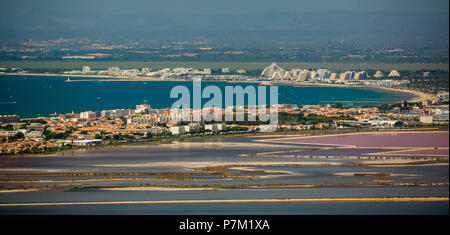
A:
(31, 96)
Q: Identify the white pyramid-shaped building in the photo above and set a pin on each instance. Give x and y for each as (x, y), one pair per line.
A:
(273, 71)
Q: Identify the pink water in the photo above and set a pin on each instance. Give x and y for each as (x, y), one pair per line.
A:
(426, 152)
(380, 139)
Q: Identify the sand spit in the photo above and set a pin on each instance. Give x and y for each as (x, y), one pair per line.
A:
(18, 190)
(366, 199)
(203, 164)
(257, 170)
(384, 162)
(231, 186)
(221, 145)
(34, 170)
(372, 174)
(361, 157)
(156, 189)
(92, 180)
(406, 165)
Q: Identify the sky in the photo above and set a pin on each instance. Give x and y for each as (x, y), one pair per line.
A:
(223, 6)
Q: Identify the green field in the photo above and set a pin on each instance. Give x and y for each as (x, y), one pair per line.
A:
(249, 66)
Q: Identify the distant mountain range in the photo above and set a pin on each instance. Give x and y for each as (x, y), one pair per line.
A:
(331, 35)
(373, 23)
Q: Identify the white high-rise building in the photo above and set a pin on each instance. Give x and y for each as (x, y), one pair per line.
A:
(323, 74)
(177, 130)
(287, 76)
(143, 108)
(361, 75)
(241, 71)
(296, 73)
(334, 76)
(88, 114)
(206, 71)
(119, 112)
(394, 73)
(86, 70)
(378, 74)
(273, 71)
(304, 75)
(113, 70)
(347, 75)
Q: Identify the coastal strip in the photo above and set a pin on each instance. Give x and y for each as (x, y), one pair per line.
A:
(366, 199)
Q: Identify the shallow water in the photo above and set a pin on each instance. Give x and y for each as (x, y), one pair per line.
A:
(187, 158)
(31, 96)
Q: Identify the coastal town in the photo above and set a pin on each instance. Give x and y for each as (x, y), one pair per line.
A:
(144, 123)
(103, 127)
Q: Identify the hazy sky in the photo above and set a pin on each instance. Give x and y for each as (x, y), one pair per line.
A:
(238, 6)
(185, 15)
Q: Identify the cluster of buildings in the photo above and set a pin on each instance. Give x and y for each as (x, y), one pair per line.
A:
(9, 118)
(147, 72)
(96, 127)
(144, 72)
(411, 115)
(99, 127)
(434, 112)
(275, 72)
(271, 73)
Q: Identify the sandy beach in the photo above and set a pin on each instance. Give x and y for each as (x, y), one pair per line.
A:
(418, 95)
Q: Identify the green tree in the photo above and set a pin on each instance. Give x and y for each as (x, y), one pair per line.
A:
(48, 134)
(41, 121)
(18, 135)
(7, 127)
(124, 121)
(149, 135)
